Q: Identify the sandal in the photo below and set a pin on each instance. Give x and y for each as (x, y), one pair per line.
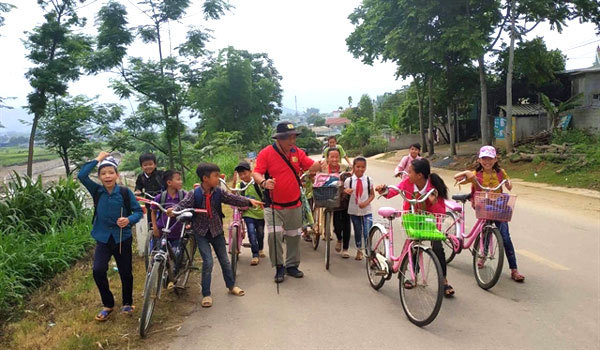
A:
(261, 254)
(127, 310)
(481, 263)
(408, 284)
(237, 291)
(338, 246)
(206, 302)
(448, 291)
(254, 261)
(516, 276)
(103, 315)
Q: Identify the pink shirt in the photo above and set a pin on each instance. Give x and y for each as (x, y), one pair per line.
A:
(410, 190)
(404, 164)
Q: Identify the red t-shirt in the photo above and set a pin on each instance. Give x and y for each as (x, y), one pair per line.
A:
(286, 187)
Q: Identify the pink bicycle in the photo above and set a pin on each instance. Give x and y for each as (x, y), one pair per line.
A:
(419, 271)
(484, 240)
(237, 227)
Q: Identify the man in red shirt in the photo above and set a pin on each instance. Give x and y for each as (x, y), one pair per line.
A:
(277, 169)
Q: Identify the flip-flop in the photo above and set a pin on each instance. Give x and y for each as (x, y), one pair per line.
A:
(127, 310)
(237, 291)
(448, 291)
(517, 277)
(206, 302)
(408, 284)
(103, 315)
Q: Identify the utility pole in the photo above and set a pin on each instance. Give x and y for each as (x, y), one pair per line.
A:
(296, 102)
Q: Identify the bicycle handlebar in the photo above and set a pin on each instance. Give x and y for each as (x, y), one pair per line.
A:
(486, 189)
(236, 189)
(175, 212)
(413, 201)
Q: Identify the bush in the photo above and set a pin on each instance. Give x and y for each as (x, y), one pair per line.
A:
(375, 146)
(575, 136)
(226, 161)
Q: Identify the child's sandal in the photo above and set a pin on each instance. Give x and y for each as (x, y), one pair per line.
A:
(103, 315)
(516, 276)
(237, 291)
(127, 310)
(206, 302)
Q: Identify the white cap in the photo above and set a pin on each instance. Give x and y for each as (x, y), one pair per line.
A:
(487, 151)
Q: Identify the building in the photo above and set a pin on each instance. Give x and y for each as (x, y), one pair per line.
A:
(527, 120)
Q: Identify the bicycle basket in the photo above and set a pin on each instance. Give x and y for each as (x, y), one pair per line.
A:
(327, 196)
(424, 226)
(494, 206)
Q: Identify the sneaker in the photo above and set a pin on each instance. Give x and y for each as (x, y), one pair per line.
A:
(338, 246)
(294, 272)
(345, 254)
(359, 255)
(261, 254)
(279, 274)
(254, 261)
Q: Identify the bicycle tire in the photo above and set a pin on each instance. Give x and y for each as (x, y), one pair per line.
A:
(327, 238)
(376, 280)
(233, 249)
(147, 250)
(488, 276)
(315, 233)
(151, 293)
(449, 227)
(189, 250)
(428, 315)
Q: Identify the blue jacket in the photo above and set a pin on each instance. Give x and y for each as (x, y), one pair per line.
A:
(109, 208)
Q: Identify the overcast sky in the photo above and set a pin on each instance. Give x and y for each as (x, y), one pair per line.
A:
(306, 40)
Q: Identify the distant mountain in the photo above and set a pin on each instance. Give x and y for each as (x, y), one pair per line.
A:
(10, 118)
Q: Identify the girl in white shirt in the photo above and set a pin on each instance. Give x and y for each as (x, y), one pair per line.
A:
(360, 189)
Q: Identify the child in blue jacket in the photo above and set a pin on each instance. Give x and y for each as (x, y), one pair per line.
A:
(115, 211)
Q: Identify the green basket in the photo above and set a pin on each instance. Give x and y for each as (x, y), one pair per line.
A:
(423, 226)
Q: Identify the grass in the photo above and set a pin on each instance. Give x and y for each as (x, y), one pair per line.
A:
(10, 156)
(60, 315)
(545, 172)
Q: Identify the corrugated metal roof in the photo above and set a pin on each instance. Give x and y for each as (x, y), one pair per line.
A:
(528, 109)
(337, 121)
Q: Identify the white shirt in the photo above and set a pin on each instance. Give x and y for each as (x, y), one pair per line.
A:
(353, 208)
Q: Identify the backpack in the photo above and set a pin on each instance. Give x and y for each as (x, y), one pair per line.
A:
(163, 199)
(215, 200)
(126, 201)
(256, 188)
(368, 185)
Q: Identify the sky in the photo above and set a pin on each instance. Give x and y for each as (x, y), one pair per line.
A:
(305, 39)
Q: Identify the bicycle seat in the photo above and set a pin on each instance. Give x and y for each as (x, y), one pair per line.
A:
(184, 217)
(452, 205)
(387, 212)
(461, 197)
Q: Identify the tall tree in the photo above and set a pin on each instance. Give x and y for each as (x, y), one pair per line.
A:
(58, 54)
(72, 127)
(365, 107)
(240, 91)
(4, 8)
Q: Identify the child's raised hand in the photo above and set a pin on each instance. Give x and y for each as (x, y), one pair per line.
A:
(102, 155)
(122, 222)
(348, 191)
(256, 203)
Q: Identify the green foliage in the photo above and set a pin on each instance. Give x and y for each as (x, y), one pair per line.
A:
(362, 137)
(4, 8)
(308, 141)
(553, 111)
(220, 142)
(226, 161)
(575, 136)
(365, 107)
(316, 120)
(240, 91)
(113, 37)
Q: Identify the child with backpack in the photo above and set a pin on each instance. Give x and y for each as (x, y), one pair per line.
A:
(414, 152)
(115, 211)
(360, 189)
(489, 174)
(168, 198)
(209, 227)
(253, 217)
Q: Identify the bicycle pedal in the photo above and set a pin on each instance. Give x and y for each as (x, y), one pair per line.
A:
(195, 268)
(381, 273)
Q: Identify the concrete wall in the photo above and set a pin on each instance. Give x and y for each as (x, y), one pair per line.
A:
(530, 125)
(589, 85)
(402, 141)
(586, 118)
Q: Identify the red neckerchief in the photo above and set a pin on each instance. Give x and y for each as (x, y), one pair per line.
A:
(208, 208)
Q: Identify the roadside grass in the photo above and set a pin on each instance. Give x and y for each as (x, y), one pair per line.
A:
(545, 172)
(10, 156)
(60, 314)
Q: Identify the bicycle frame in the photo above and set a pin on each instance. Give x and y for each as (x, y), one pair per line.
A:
(237, 220)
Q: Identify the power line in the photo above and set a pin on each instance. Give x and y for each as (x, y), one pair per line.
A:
(582, 45)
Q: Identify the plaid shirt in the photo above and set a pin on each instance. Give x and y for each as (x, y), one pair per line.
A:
(203, 223)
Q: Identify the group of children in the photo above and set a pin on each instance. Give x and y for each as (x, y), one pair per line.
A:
(116, 210)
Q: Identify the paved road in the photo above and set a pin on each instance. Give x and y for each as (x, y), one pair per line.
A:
(556, 237)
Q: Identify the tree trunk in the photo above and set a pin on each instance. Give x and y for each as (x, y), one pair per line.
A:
(65, 158)
(452, 129)
(484, 121)
(179, 127)
(421, 121)
(511, 58)
(168, 134)
(34, 125)
(429, 89)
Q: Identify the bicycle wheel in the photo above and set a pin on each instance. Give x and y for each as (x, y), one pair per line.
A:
(233, 249)
(315, 233)
(148, 250)
(421, 302)
(488, 257)
(187, 261)
(373, 246)
(327, 238)
(151, 293)
(449, 227)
